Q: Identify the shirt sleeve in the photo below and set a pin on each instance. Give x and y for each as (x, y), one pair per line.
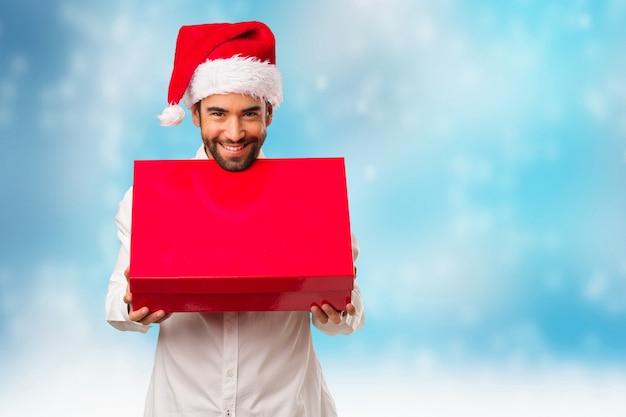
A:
(116, 309)
(349, 323)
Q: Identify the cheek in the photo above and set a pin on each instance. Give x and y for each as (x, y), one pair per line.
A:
(260, 130)
(208, 131)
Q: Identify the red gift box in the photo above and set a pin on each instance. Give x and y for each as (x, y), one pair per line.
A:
(275, 236)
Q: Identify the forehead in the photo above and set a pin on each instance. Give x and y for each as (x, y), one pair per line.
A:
(231, 101)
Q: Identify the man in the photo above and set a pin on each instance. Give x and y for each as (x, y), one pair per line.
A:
(228, 364)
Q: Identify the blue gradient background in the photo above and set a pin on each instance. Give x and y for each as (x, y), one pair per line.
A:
(485, 145)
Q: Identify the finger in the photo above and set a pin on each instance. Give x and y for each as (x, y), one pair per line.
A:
(350, 309)
(332, 314)
(319, 314)
(128, 298)
(165, 317)
(138, 315)
(153, 317)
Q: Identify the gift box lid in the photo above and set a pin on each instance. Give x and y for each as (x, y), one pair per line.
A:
(282, 225)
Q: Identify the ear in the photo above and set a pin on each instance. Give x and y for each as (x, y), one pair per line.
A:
(269, 113)
(195, 113)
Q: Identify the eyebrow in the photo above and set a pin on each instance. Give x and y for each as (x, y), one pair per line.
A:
(222, 110)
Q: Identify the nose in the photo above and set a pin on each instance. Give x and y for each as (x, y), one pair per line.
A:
(233, 130)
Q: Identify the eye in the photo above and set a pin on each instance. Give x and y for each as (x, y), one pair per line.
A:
(251, 114)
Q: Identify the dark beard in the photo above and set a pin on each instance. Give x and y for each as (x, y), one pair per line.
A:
(233, 164)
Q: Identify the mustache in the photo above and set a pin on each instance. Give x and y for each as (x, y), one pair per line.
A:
(244, 140)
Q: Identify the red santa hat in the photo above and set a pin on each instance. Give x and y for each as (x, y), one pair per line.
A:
(222, 58)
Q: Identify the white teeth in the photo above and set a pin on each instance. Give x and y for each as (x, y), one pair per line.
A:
(233, 148)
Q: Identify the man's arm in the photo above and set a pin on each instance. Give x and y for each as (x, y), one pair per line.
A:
(143, 315)
(352, 318)
(118, 307)
(333, 322)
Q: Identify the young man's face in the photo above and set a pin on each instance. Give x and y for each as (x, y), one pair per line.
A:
(233, 128)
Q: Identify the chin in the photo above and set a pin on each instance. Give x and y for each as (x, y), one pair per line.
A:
(238, 164)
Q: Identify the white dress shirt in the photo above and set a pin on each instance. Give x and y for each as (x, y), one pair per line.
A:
(246, 364)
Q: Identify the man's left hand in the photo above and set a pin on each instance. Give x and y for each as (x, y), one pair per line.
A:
(328, 313)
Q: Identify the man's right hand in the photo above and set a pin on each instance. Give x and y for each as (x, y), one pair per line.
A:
(142, 315)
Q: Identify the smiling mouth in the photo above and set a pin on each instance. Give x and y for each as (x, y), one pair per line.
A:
(233, 148)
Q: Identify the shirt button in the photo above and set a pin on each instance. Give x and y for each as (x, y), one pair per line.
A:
(230, 373)
(230, 330)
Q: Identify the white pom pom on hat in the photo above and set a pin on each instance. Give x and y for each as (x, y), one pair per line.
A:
(172, 115)
(221, 58)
